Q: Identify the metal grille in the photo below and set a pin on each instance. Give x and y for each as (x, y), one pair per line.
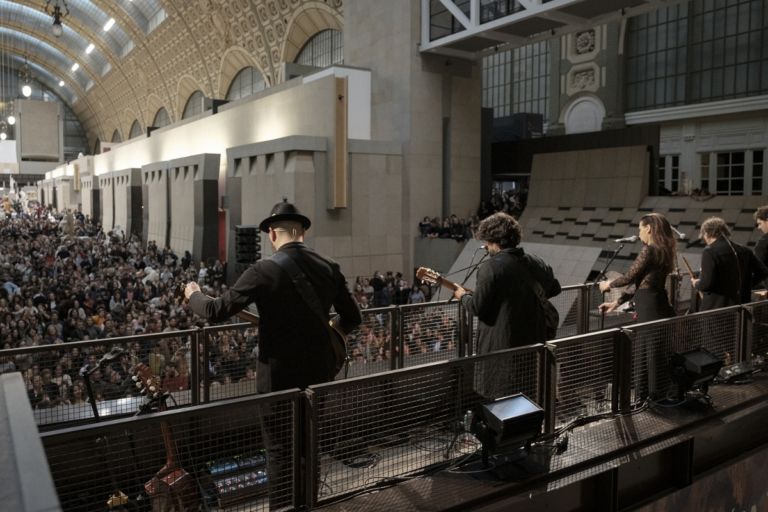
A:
(757, 343)
(584, 376)
(654, 342)
(429, 333)
(376, 428)
(230, 366)
(235, 455)
(58, 390)
(370, 347)
(567, 303)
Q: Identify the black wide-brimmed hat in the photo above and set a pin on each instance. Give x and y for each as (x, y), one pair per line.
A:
(284, 211)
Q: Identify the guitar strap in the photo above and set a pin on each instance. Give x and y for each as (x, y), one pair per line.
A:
(305, 289)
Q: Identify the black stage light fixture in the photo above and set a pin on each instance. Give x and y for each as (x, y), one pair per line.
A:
(693, 370)
(509, 422)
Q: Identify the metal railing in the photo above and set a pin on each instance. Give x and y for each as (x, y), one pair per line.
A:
(218, 363)
(359, 433)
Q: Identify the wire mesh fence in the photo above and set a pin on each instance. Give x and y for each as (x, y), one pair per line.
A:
(381, 427)
(235, 455)
(655, 342)
(429, 333)
(59, 377)
(757, 341)
(370, 347)
(567, 305)
(228, 368)
(585, 379)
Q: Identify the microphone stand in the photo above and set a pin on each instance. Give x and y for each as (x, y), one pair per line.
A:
(86, 372)
(602, 274)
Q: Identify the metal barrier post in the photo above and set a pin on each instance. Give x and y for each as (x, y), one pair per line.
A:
(206, 373)
(305, 459)
(746, 333)
(548, 385)
(194, 371)
(621, 394)
(582, 309)
(397, 328)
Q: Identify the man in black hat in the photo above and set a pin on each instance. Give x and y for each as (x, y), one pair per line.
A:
(295, 345)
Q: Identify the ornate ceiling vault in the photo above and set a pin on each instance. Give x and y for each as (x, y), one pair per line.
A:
(157, 53)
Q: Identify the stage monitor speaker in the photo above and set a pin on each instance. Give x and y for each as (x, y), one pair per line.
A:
(508, 421)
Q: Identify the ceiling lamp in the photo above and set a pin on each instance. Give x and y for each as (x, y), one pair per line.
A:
(3, 131)
(11, 120)
(25, 75)
(56, 12)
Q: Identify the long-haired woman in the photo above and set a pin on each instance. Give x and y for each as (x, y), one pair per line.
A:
(649, 271)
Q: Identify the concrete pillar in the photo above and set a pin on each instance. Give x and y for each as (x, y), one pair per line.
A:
(429, 103)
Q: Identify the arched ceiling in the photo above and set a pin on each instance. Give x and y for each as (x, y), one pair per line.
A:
(153, 47)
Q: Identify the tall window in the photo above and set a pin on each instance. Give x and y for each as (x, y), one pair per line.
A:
(757, 172)
(247, 82)
(116, 137)
(705, 173)
(674, 178)
(517, 80)
(702, 50)
(135, 130)
(323, 49)
(730, 173)
(194, 105)
(656, 53)
(161, 118)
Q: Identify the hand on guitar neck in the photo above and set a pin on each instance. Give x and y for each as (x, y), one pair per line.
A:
(429, 276)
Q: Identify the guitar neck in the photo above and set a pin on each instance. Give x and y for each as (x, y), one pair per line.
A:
(247, 316)
(171, 458)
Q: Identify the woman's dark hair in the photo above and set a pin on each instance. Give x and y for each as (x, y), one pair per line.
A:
(500, 228)
(662, 236)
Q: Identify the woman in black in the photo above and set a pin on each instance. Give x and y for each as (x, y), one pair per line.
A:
(649, 271)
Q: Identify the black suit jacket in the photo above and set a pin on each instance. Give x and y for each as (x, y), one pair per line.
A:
(506, 304)
(761, 249)
(726, 280)
(292, 340)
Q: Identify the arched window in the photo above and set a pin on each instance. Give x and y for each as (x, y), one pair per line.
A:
(194, 105)
(116, 136)
(323, 49)
(161, 118)
(135, 130)
(248, 81)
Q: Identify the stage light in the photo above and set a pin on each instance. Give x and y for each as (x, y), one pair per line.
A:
(693, 371)
(506, 423)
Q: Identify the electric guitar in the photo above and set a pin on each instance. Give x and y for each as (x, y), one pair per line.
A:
(172, 489)
(429, 276)
(338, 338)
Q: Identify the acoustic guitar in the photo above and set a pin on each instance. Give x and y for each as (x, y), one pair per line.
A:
(429, 276)
(338, 338)
(172, 489)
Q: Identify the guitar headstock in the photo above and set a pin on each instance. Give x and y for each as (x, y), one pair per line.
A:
(427, 275)
(147, 383)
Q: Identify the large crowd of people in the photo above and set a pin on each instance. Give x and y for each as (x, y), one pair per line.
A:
(65, 280)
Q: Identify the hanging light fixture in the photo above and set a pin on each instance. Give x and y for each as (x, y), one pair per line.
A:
(54, 9)
(3, 130)
(25, 75)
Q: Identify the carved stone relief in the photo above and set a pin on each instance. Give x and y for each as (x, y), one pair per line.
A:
(585, 42)
(583, 77)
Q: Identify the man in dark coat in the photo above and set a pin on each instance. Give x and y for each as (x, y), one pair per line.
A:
(294, 345)
(761, 220)
(728, 270)
(511, 289)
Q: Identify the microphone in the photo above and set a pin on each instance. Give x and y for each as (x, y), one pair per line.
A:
(680, 236)
(627, 240)
(109, 356)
